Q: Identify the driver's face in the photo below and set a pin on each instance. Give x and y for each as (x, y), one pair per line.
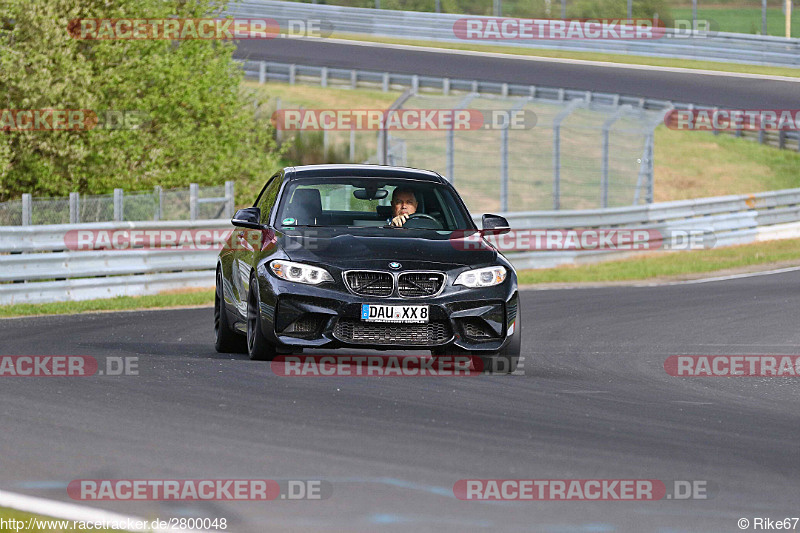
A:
(404, 203)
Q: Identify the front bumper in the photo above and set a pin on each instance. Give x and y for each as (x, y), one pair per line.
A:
(297, 315)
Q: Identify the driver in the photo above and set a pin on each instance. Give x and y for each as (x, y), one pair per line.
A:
(404, 204)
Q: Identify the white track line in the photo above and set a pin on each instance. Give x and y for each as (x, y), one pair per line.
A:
(609, 64)
(56, 510)
(640, 284)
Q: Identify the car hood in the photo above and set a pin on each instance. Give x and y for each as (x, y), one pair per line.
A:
(375, 248)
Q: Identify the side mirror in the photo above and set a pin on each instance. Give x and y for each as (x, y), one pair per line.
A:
(249, 217)
(494, 225)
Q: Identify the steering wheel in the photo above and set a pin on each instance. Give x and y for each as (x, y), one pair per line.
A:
(423, 216)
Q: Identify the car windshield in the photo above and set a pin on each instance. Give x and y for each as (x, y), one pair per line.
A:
(371, 203)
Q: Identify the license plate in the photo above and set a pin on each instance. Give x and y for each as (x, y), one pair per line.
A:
(408, 314)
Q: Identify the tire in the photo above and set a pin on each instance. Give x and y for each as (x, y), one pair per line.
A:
(505, 361)
(258, 347)
(226, 340)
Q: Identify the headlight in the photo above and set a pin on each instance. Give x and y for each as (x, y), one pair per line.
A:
(482, 277)
(291, 271)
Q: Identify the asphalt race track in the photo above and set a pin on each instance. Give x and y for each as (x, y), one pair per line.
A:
(715, 90)
(595, 402)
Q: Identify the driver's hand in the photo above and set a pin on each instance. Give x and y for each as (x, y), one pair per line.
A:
(399, 220)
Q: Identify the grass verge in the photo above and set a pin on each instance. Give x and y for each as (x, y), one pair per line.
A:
(673, 265)
(120, 303)
(586, 56)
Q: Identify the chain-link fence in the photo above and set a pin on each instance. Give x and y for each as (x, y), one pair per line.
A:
(535, 154)
(193, 203)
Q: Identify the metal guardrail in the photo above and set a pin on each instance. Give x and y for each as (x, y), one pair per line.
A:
(708, 46)
(265, 71)
(35, 265)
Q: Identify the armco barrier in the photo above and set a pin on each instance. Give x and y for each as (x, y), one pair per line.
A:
(36, 266)
(717, 46)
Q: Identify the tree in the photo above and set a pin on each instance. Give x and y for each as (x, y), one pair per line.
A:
(198, 124)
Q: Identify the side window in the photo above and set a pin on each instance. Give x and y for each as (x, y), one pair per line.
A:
(266, 200)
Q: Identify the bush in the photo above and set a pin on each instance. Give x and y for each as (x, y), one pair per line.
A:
(201, 127)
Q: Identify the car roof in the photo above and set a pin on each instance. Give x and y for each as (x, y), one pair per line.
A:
(366, 171)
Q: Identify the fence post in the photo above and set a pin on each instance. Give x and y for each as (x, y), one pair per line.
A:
(323, 77)
(230, 199)
(158, 195)
(27, 209)
(262, 72)
(74, 208)
(446, 86)
(559, 118)
(415, 83)
(292, 73)
(278, 130)
(352, 144)
(385, 82)
(119, 205)
(604, 154)
(193, 194)
(353, 79)
(504, 168)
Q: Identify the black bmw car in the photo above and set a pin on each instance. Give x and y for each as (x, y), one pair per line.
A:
(363, 256)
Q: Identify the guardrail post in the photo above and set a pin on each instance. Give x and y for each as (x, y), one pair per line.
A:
(761, 134)
(27, 209)
(446, 86)
(230, 199)
(533, 91)
(475, 86)
(292, 74)
(415, 83)
(782, 139)
(353, 79)
(323, 77)
(74, 208)
(158, 196)
(504, 90)
(262, 72)
(385, 82)
(325, 143)
(193, 194)
(352, 144)
(119, 205)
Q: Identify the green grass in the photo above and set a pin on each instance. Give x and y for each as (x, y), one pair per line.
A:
(120, 303)
(588, 56)
(670, 264)
(717, 165)
(743, 19)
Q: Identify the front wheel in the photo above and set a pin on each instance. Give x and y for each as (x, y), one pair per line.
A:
(226, 340)
(258, 347)
(505, 361)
